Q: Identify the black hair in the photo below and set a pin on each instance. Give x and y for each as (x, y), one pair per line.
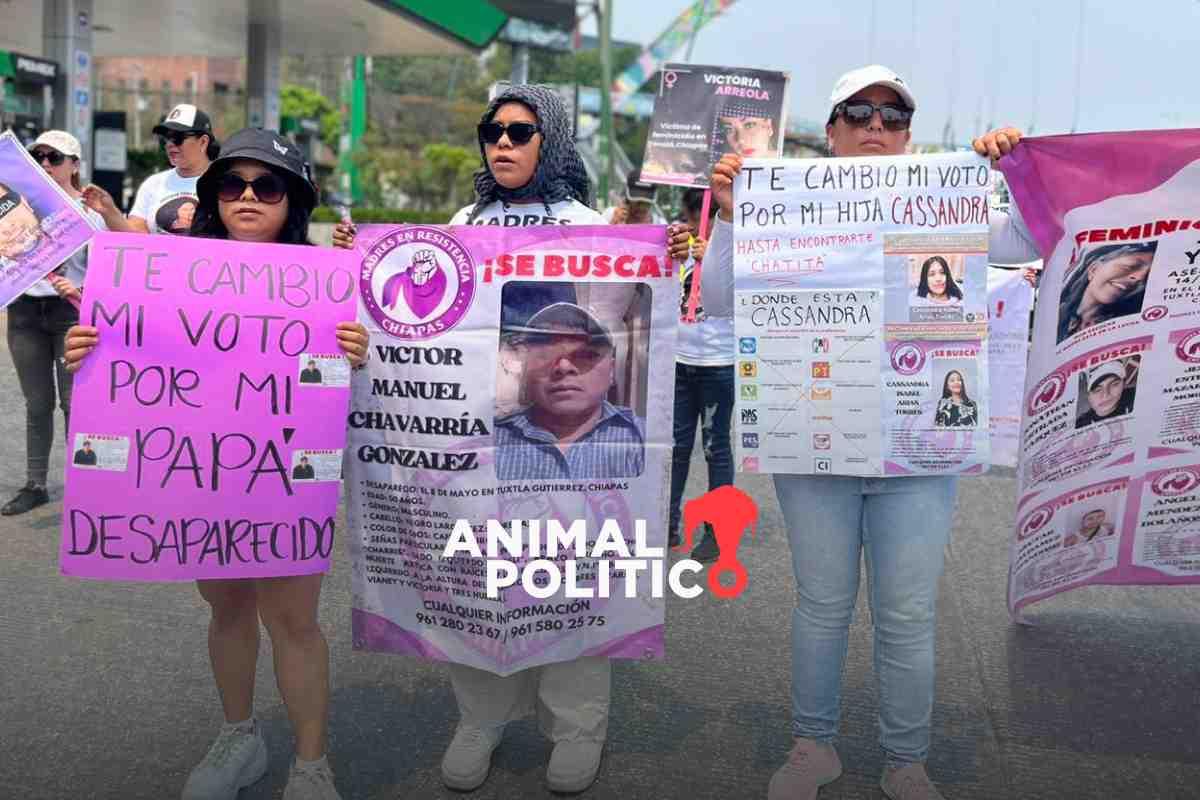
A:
(1077, 283)
(213, 150)
(946, 386)
(693, 202)
(207, 224)
(952, 289)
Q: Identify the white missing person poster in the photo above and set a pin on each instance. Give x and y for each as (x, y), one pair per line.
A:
(861, 315)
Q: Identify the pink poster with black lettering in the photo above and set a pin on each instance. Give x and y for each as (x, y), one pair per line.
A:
(208, 424)
(1109, 467)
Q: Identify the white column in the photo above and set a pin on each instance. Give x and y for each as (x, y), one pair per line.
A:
(67, 39)
(263, 46)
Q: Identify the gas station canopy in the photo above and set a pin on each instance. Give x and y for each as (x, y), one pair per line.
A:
(218, 28)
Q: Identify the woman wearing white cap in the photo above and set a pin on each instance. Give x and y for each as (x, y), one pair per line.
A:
(166, 201)
(901, 523)
(37, 322)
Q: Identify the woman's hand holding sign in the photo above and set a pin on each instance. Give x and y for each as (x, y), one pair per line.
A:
(81, 340)
(998, 143)
(353, 339)
(724, 173)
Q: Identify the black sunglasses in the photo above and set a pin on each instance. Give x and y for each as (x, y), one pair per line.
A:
(269, 188)
(859, 113)
(518, 132)
(53, 156)
(176, 138)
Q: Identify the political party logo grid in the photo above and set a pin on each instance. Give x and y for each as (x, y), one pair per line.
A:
(418, 283)
(747, 345)
(750, 440)
(820, 369)
(749, 416)
(749, 391)
(748, 369)
(822, 441)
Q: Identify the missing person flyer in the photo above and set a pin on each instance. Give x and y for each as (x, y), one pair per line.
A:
(703, 112)
(860, 310)
(1109, 465)
(40, 225)
(523, 378)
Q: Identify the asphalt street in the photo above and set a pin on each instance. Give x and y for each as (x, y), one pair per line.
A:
(105, 690)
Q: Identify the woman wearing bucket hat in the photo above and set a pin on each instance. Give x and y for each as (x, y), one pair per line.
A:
(531, 175)
(37, 322)
(259, 191)
(901, 523)
(166, 201)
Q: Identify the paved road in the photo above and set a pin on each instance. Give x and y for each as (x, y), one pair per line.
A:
(105, 690)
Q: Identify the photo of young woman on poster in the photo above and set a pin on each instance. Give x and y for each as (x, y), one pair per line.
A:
(1110, 282)
(955, 409)
(936, 284)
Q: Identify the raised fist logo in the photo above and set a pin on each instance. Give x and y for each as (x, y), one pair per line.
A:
(422, 283)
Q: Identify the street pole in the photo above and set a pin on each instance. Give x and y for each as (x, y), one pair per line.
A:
(606, 111)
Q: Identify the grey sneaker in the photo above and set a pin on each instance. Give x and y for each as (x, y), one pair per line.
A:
(910, 782)
(573, 765)
(810, 765)
(313, 782)
(468, 759)
(236, 759)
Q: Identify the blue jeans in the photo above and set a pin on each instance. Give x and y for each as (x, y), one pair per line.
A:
(703, 395)
(903, 525)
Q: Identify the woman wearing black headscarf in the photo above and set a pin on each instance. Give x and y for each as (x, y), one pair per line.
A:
(531, 175)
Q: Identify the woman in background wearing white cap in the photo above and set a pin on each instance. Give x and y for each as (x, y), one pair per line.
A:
(166, 201)
(901, 523)
(37, 322)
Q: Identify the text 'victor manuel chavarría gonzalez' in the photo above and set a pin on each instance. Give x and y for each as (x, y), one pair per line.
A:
(547, 556)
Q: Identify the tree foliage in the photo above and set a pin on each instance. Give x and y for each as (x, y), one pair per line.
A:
(300, 102)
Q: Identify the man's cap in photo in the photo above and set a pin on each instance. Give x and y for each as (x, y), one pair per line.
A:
(184, 118)
(1096, 374)
(565, 319)
(856, 80)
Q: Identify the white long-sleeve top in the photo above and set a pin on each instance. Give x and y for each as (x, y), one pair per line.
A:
(1009, 242)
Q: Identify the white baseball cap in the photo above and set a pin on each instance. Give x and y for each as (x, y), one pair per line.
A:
(61, 141)
(856, 80)
(1113, 368)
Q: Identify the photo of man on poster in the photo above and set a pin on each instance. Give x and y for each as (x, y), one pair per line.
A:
(85, 456)
(569, 429)
(1093, 525)
(1106, 392)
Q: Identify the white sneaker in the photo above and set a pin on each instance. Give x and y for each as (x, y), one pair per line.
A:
(236, 759)
(314, 782)
(810, 765)
(468, 759)
(573, 765)
(909, 783)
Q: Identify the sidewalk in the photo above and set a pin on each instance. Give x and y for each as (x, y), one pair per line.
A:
(106, 688)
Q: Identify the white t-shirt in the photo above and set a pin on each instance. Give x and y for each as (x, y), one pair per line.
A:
(74, 268)
(708, 342)
(166, 201)
(564, 212)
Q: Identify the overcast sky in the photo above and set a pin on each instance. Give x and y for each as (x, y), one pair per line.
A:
(969, 62)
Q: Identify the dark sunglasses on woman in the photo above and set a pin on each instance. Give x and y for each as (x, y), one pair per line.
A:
(53, 156)
(859, 113)
(269, 188)
(176, 138)
(518, 132)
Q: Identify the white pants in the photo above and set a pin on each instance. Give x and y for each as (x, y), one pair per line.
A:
(571, 697)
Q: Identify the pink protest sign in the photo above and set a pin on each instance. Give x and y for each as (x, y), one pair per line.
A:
(1109, 454)
(40, 226)
(208, 425)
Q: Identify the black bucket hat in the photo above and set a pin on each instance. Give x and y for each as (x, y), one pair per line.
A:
(271, 149)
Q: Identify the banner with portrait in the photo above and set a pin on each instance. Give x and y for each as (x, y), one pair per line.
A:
(1109, 470)
(40, 225)
(516, 375)
(703, 112)
(860, 310)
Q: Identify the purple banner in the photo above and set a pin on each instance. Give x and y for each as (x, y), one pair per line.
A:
(40, 226)
(1109, 454)
(208, 425)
